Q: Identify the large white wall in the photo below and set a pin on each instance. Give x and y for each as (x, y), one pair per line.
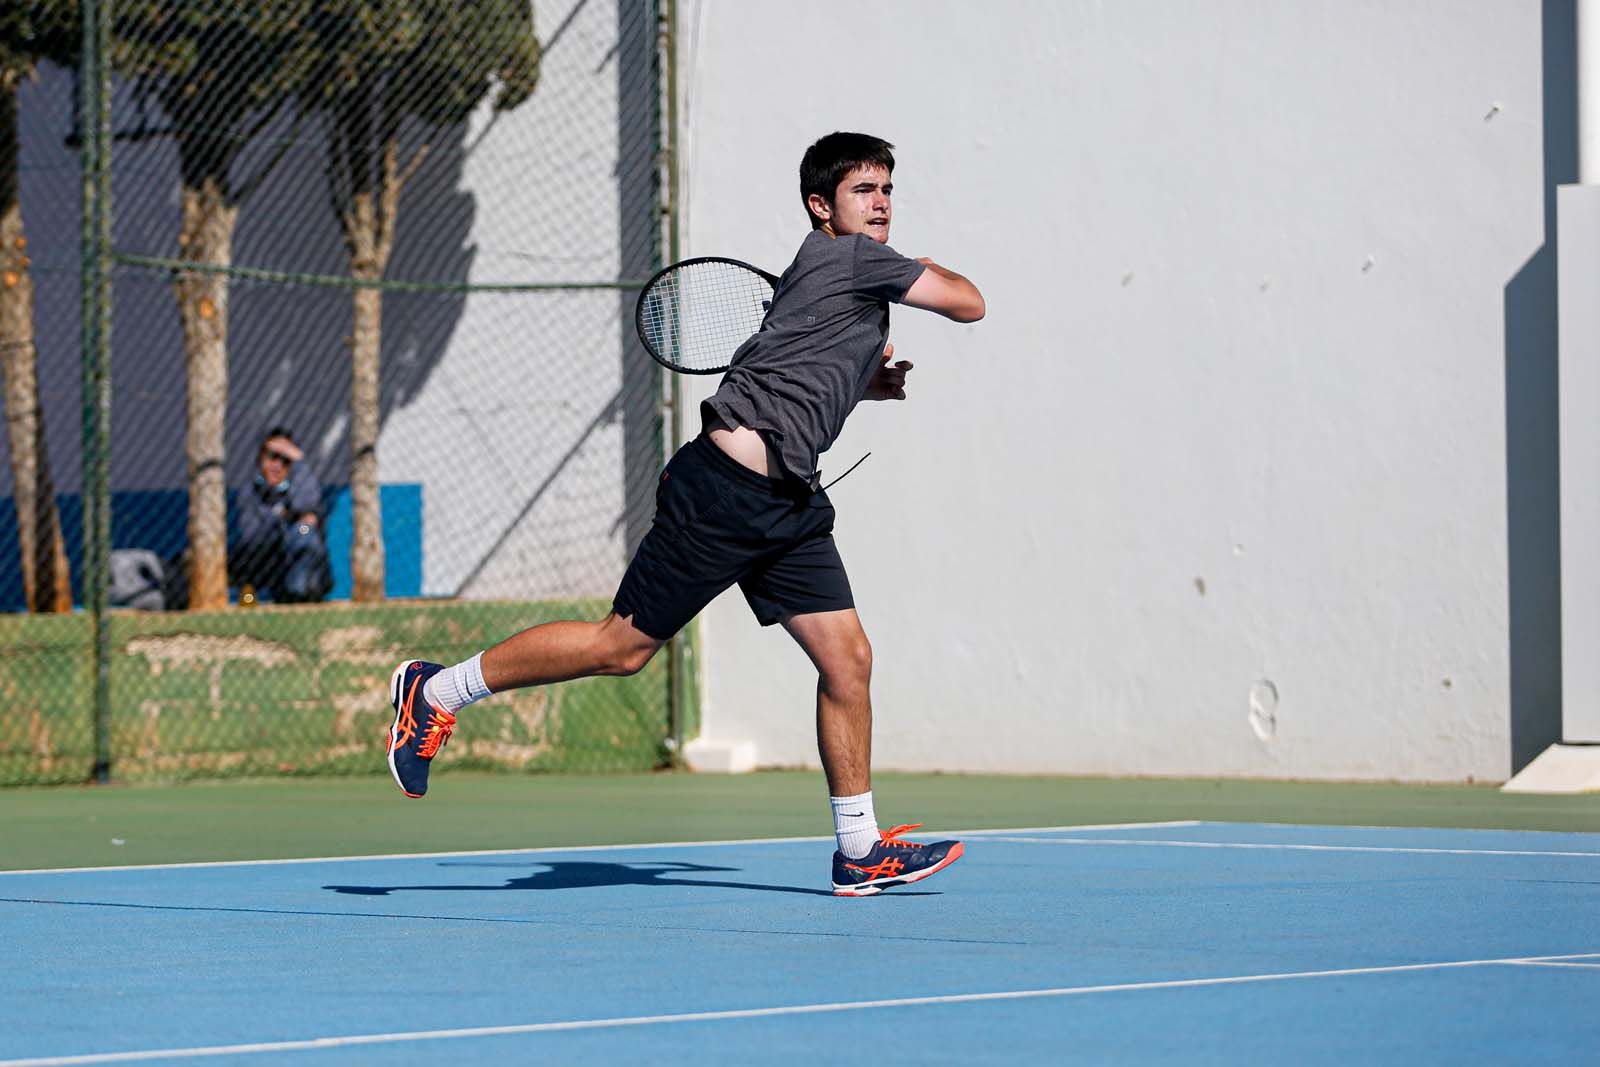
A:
(1237, 416)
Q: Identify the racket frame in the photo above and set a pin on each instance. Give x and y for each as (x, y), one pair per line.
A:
(638, 308)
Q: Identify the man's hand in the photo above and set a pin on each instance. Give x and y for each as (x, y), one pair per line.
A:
(889, 383)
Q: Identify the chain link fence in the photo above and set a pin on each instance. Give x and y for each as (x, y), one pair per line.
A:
(373, 389)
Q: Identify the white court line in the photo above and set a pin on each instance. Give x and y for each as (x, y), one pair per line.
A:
(1174, 824)
(1380, 827)
(352, 1040)
(1285, 846)
(1556, 963)
(568, 848)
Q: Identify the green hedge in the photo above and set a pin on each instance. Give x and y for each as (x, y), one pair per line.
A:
(300, 690)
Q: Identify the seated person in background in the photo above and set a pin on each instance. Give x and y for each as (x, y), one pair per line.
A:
(279, 548)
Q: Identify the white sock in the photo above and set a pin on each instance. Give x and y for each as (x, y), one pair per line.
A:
(455, 687)
(855, 824)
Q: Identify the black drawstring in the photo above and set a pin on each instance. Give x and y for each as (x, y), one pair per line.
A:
(846, 474)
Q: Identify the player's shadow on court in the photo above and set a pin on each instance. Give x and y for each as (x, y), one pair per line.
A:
(584, 874)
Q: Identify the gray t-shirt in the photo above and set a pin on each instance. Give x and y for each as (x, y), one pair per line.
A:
(799, 376)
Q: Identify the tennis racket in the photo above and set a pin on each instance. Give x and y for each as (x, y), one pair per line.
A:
(692, 315)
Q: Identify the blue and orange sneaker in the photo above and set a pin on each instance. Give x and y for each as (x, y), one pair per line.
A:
(420, 729)
(893, 861)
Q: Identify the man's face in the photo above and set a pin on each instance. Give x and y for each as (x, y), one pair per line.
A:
(860, 204)
(277, 456)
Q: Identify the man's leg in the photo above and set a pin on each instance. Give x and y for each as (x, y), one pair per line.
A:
(672, 576)
(427, 696)
(307, 576)
(867, 861)
(559, 651)
(540, 655)
(838, 648)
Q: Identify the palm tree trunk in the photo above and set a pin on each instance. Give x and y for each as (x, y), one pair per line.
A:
(46, 582)
(369, 229)
(206, 237)
(366, 514)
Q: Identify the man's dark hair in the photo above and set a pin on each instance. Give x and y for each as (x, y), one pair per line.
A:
(830, 161)
(279, 431)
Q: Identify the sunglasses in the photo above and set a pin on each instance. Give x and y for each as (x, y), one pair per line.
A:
(268, 453)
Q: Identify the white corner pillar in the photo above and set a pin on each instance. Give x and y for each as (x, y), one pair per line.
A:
(1578, 222)
(1578, 294)
(1573, 766)
(1588, 57)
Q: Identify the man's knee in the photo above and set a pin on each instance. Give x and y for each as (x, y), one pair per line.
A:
(633, 660)
(850, 664)
(627, 649)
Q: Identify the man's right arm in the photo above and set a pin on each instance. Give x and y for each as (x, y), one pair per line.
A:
(946, 292)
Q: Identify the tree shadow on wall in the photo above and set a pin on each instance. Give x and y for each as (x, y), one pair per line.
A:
(289, 344)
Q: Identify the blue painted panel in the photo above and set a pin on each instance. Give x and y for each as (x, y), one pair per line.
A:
(402, 538)
(157, 519)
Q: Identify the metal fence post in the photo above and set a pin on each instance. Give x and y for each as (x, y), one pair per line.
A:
(96, 333)
(667, 152)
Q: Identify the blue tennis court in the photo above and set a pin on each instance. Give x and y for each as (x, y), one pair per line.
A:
(1176, 942)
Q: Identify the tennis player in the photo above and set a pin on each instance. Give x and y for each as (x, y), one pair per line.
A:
(742, 503)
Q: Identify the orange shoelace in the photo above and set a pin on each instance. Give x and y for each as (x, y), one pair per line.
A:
(441, 724)
(440, 727)
(892, 836)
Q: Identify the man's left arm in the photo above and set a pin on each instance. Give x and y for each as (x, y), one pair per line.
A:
(884, 274)
(945, 292)
(305, 498)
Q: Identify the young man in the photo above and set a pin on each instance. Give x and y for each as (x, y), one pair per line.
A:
(741, 503)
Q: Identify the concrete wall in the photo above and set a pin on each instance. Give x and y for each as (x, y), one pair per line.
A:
(1251, 468)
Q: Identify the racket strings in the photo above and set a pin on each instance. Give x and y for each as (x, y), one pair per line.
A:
(697, 314)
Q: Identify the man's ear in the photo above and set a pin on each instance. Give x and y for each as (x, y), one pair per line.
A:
(821, 207)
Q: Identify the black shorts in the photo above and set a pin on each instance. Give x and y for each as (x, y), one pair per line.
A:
(717, 523)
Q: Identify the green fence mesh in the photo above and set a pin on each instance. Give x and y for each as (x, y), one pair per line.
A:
(408, 232)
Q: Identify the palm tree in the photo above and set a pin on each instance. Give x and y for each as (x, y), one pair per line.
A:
(222, 74)
(28, 33)
(386, 61)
